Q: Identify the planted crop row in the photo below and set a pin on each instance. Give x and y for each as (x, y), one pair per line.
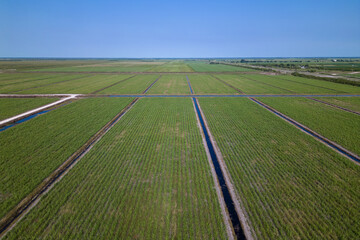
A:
(32, 150)
(292, 186)
(171, 84)
(137, 84)
(147, 178)
(83, 85)
(335, 124)
(203, 84)
(14, 106)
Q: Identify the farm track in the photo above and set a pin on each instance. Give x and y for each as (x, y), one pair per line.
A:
(36, 110)
(48, 84)
(173, 95)
(343, 151)
(335, 106)
(123, 80)
(228, 84)
(224, 189)
(16, 214)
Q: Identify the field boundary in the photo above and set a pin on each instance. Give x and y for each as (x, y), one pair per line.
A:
(338, 148)
(36, 110)
(229, 85)
(334, 105)
(16, 214)
(111, 85)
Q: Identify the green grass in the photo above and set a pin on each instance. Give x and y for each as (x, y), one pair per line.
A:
(250, 86)
(148, 178)
(14, 106)
(338, 87)
(170, 84)
(32, 150)
(173, 66)
(337, 125)
(87, 84)
(206, 84)
(292, 186)
(137, 84)
(352, 103)
(199, 66)
(296, 87)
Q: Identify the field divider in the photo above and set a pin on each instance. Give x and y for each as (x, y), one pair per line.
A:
(343, 151)
(36, 110)
(229, 85)
(188, 81)
(148, 88)
(334, 105)
(16, 214)
(234, 215)
(111, 85)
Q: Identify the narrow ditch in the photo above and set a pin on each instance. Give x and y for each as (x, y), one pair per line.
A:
(350, 155)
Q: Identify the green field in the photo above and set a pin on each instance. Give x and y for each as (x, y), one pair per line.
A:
(351, 103)
(14, 106)
(173, 66)
(137, 84)
(337, 125)
(36, 148)
(207, 84)
(199, 66)
(171, 84)
(292, 186)
(153, 182)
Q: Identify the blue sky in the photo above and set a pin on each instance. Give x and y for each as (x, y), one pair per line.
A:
(136, 28)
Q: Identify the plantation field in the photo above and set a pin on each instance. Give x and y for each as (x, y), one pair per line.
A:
(14, 106)
(337, 125)
(33, 149)
(351, 103)
(291, 186)
(173, 66)
(199, 66)
(153, 182)
(207, 84)
(137, 84)
(86, 84)
(171, 84)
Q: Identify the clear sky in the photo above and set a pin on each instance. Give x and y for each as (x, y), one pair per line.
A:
(133, 28)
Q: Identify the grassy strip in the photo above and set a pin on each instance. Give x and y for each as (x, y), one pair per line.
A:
(147, 178)
(32, 150)
(14, 106)
(335, 124)
(284, 175)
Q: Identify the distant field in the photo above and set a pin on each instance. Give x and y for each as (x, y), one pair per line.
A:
(13, 106)
(206, 84)
(153, 182)
(38, 147)
(198, 66)
(282, 175)
(171, 84)
(173, 66)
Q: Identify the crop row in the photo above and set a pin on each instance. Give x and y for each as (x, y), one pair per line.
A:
(32, 150)
(147, 178)
(292, 186)
(170, 84)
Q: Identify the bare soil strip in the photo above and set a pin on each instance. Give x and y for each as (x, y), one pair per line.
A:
(112, 85)
(245, 232)
(228, 84)
(335, 106)
(15, 215)
(44, 85)
(36, 110)
(343, 151)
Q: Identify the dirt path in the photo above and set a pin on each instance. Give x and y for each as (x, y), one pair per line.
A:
(36, 110)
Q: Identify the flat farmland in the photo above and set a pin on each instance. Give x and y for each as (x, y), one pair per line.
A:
(199, 66)
(136, 84)
(171, 84)
(282, 175)
(153, 182)
(206, 84)
(351, 103)
(86, 84)
(13, 106)
(37, 147)
(173, 66)
(337, 125)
